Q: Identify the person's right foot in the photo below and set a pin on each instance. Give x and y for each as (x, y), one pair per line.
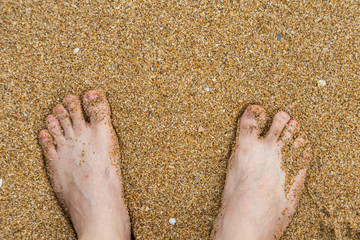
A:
(81, 159)
(254, 204)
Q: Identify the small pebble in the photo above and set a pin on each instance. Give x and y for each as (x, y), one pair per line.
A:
(321, 83)
(76, 50)
(201, 129)
(147, 209)
(1, 181)
(207, 89)
(172, 221)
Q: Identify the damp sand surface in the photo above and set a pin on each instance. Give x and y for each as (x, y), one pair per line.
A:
(178, 75)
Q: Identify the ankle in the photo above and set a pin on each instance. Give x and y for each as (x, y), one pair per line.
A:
(105, 227)
(105, 231)
(254, 222)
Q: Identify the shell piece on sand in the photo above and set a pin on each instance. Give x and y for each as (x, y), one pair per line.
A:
(201, 129)
(321, 83)
(172, 221)
(1, 181)
(76, 50)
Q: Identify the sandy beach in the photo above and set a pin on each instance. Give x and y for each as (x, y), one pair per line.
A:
(169, 68)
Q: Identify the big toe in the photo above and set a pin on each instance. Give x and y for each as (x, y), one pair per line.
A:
(96, 107)
(252, 121)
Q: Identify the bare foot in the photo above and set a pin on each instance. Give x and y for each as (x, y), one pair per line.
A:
(254, 204)
(81, 159)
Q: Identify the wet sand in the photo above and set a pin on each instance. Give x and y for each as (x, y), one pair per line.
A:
(169, 68)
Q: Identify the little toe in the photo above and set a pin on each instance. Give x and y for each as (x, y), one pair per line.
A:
(290, 130)
(47, 144)
(55, 130)
(293, 197)
(299, 179)
(64, 118)
(279, 122)
(252, 120)
(72, 104)
(97, 107)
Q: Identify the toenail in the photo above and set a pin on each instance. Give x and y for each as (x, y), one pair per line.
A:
(60, 112)
(43, 134)
(284, 115)
(293, 123)
(59, 108)
(70, 99)
(255, 111)
(50, 118)
(92, 95)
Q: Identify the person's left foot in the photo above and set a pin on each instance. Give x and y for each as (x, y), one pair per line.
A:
(81, 160)
(254, 204)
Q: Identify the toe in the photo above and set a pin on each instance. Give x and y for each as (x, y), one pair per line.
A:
(299, 181)
(290, 130)
(97, 107)
(73, 106)
(293, 198)
(296, 189)
(278, 124)
(64, 118)
(47, 144)
(252, 120)
(55, 129)
(307, 156)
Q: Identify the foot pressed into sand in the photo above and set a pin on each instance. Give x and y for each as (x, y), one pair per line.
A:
(254, 204)
(81, 161)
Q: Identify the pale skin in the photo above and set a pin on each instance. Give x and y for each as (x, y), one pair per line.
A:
(82, 157)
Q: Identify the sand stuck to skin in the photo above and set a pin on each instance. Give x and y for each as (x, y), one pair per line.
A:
(170, 68)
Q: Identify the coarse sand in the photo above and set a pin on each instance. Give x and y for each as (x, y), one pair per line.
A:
(178, 75)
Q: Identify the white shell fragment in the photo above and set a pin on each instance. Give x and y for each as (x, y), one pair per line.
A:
(321, 83)
(172, 221)
(76, 50)
(207, 89)
(1, 181)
